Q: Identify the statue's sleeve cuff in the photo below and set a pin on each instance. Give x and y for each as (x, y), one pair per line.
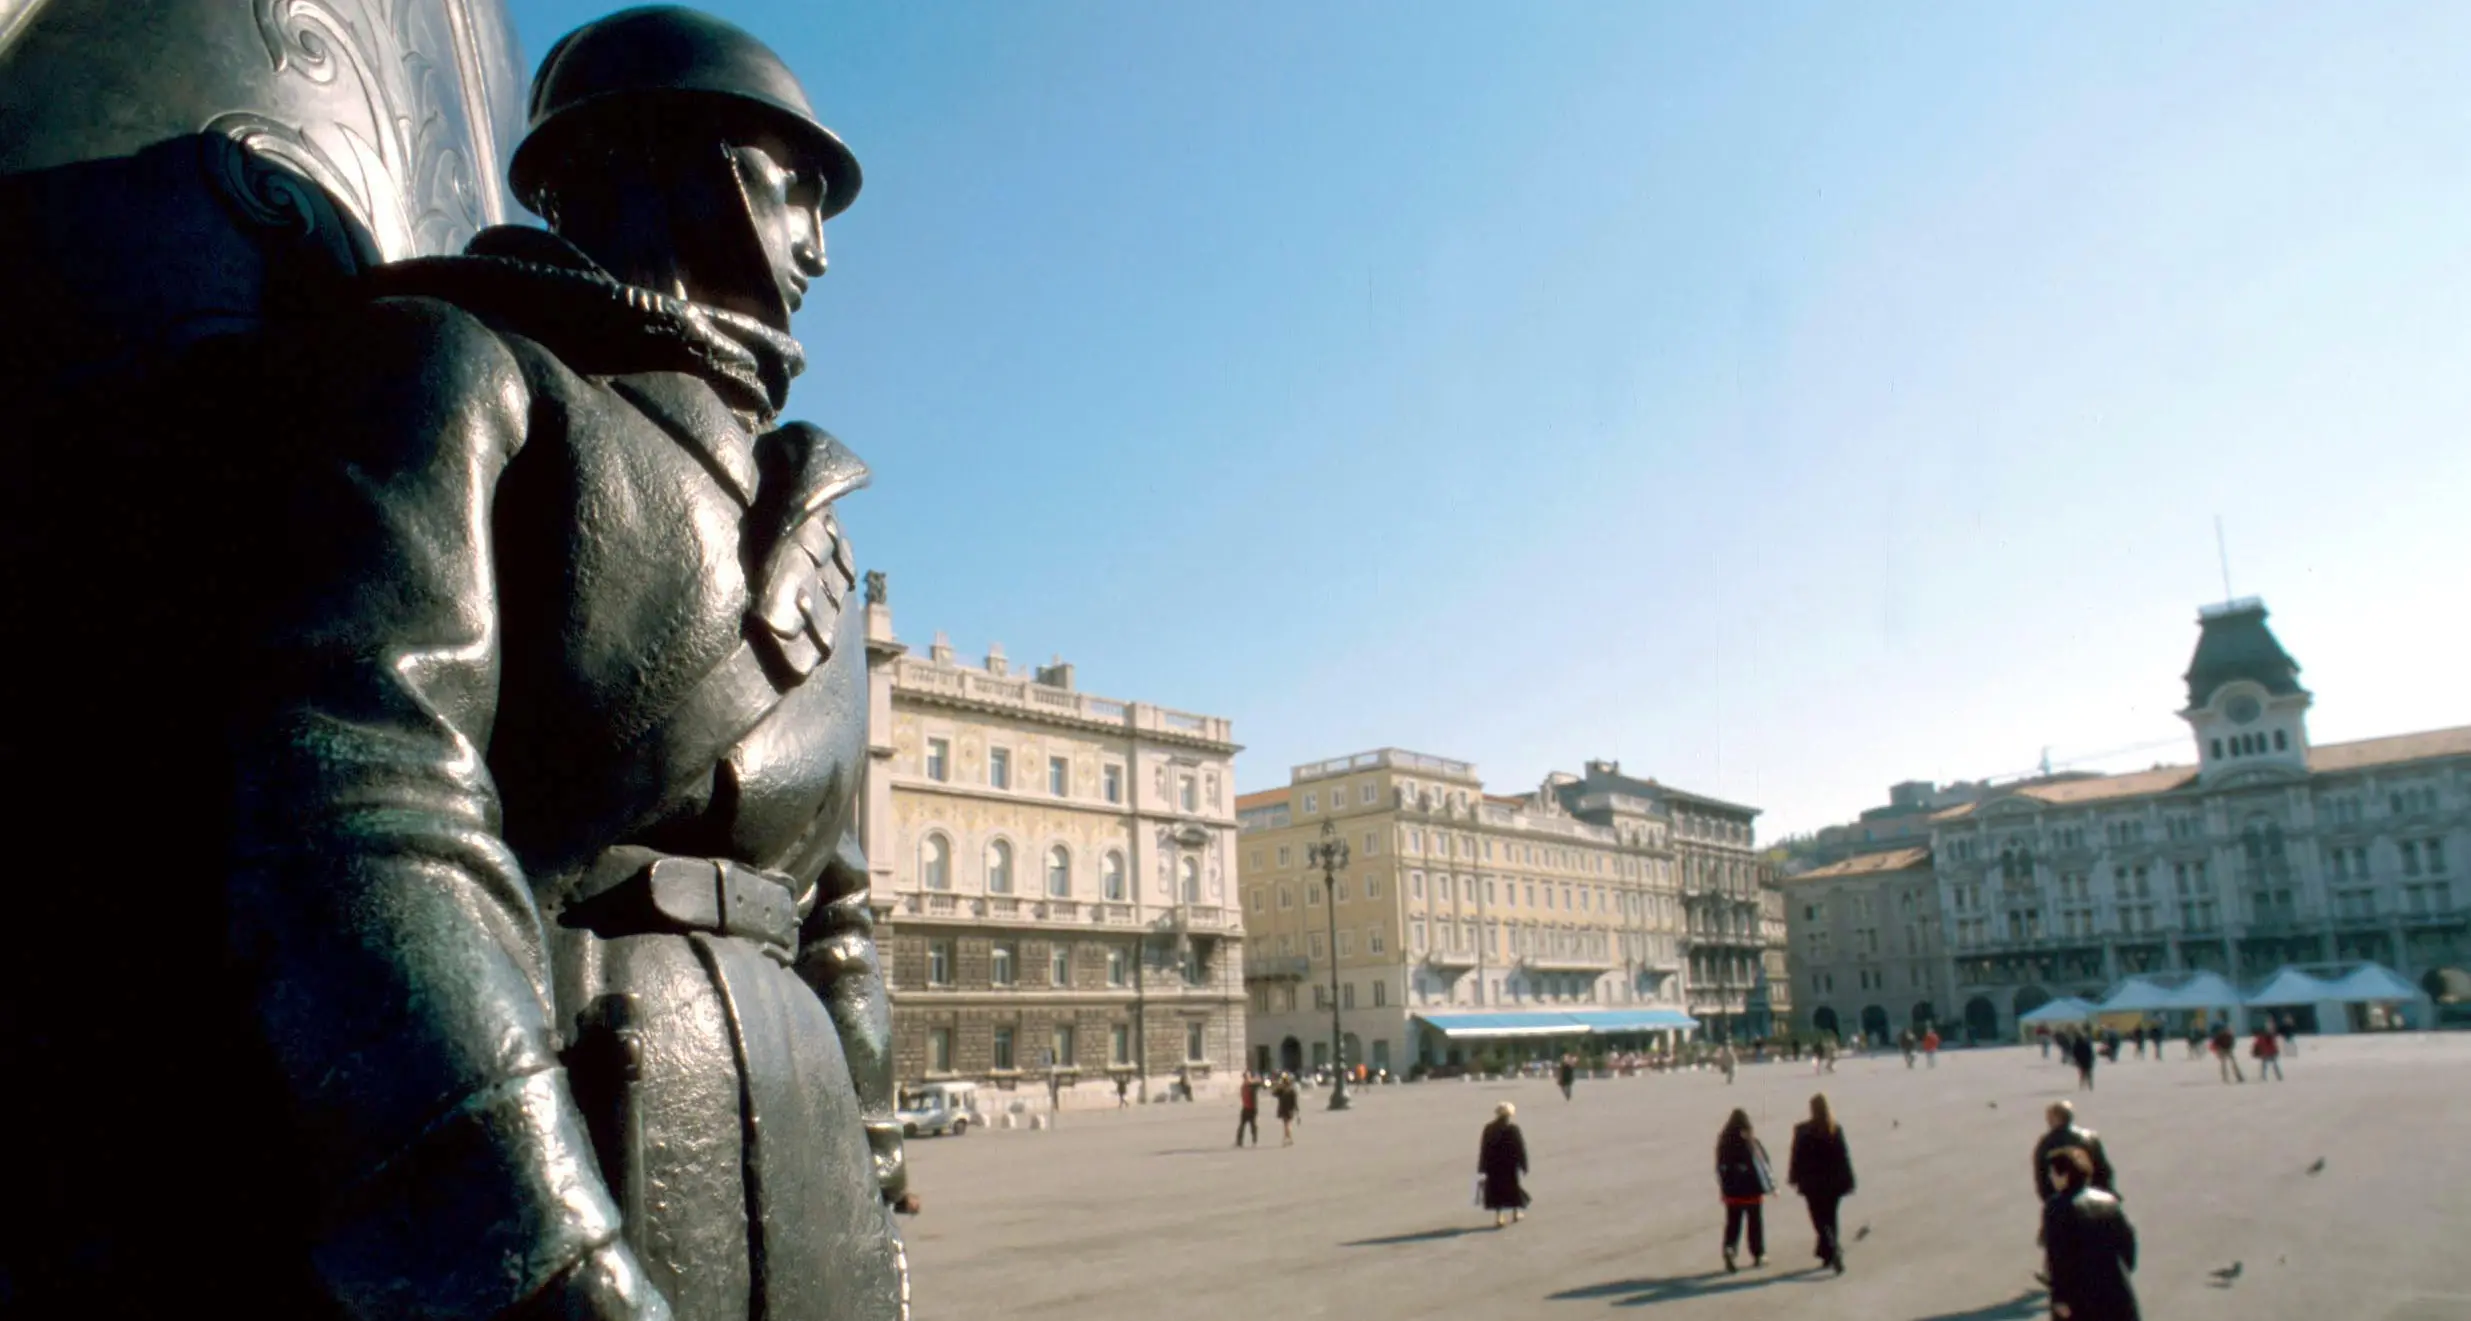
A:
(485, 1209)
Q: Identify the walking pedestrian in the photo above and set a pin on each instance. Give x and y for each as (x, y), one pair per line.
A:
(1725, 1060)
(1248, 1115)
(2089, 1248)
(1930, 1047)
(2083, 1051)
(2268, 1053)
(2288, 1029)
(2196, 1037)
(1744, 1181)
(1906, 1043)
(1501, 1157)
(1123, 1091)
(2226, 1053)
(2043, 1035)
(1567, 1074)
(1821, 1169)
(1288, 1108)
(2066, 1134)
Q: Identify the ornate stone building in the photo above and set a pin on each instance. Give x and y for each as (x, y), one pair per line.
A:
(1465, 920)
(1055, 876)
(2269, 850)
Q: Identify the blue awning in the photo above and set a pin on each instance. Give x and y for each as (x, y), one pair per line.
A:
(1558, 1023)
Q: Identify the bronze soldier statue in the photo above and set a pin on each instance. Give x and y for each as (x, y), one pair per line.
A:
(530, 740)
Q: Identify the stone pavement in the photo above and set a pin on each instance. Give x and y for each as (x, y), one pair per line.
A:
(1152, 1214)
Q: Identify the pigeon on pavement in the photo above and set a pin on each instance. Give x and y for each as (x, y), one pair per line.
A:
(2230, 1272)
(2319, 1167)
(1862, 1233)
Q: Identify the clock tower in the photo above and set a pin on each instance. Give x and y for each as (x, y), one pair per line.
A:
(2245, 704)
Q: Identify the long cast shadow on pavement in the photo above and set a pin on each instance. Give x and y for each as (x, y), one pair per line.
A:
(1420, 1236)
(1642, 1292)
(2030, 1305)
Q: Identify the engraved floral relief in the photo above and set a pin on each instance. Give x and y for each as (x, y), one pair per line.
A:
(391, 140)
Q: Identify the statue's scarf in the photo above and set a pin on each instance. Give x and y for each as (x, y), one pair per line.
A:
(545, 287)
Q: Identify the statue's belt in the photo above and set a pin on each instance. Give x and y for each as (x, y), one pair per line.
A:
(680, 895)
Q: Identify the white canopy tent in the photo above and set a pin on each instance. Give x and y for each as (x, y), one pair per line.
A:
(2065, 1009)
(2176, 993)
(2290, 988)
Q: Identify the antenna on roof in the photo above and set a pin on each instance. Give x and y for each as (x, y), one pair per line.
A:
(2223, 553)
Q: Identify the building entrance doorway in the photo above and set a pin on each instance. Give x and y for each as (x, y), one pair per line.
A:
(1291, 1055)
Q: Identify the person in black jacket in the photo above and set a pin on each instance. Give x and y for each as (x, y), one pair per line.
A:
(2089, 1246)
(1501, 1157)
(1821, 1168)
(2082, 1051)
(2066, 1133)
(1742, 1179)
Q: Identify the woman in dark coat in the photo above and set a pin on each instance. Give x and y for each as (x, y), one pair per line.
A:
(2089, 1247)
(1822, 1169)
(1501, 1157)
(1743, 1180)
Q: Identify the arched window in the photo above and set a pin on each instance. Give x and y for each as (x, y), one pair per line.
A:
(999, 868)
(1192, 881)
(935, 863)
(1059, 873)
(1111, 872)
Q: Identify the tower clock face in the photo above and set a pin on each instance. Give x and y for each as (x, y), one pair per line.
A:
(2242, 709)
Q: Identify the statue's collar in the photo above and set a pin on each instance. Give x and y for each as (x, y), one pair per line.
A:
(545, 287)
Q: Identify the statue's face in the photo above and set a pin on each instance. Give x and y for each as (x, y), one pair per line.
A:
(786, 205)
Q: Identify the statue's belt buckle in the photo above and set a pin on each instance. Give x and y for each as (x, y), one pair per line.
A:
(722, 897)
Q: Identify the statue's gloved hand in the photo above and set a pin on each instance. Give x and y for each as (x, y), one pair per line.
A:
(608, 1285)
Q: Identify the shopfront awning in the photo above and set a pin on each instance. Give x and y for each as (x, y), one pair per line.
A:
(1557, 1023)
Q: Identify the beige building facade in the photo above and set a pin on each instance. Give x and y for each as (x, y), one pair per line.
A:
(1055, 880)
(1463, 922)
(1869, 954)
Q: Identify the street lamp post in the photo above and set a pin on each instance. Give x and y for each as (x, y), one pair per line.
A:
(1331, 854)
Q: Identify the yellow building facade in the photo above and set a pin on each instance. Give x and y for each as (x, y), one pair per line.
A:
(1462, 920)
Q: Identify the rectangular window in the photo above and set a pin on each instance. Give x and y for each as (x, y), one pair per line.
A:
(1381, 994)
(1003, 1048)
(1191, 796)
(1313, 942)
(1120, 1044)
(1119, 968)
(1285, 857)
(999, 768)
(2436, 856)
(1373, 939)
(1196, 1044)
(1372, 887)
(1416, 929)
(1312, 896)
(1372, 843)
(1059, 965)
(939, 1050)
(1347, 995)
(1346, 945)
(1000, 964)
(1111, 782)
(1286, 897)
(939, 759)
(1312, 801)
(1062, 1044)
(939, 963)
(1364, 792)
(1059, 776)
(2410, 858)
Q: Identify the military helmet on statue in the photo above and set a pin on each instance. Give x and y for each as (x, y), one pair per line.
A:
(657, 65)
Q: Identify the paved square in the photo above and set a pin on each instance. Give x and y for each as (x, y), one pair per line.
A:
(1152, 1214)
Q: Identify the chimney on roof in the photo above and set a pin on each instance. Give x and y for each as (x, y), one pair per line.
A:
(1056, 674)
(940, 650)
(996, 664)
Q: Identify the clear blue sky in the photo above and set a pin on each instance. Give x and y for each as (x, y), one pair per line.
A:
(1785, 399)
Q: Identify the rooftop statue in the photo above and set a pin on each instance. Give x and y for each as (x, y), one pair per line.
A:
(478, 926)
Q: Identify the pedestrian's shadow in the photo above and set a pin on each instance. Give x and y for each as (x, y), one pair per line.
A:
(1642, 1292)
(2027, 1306)
(1420, 1236)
